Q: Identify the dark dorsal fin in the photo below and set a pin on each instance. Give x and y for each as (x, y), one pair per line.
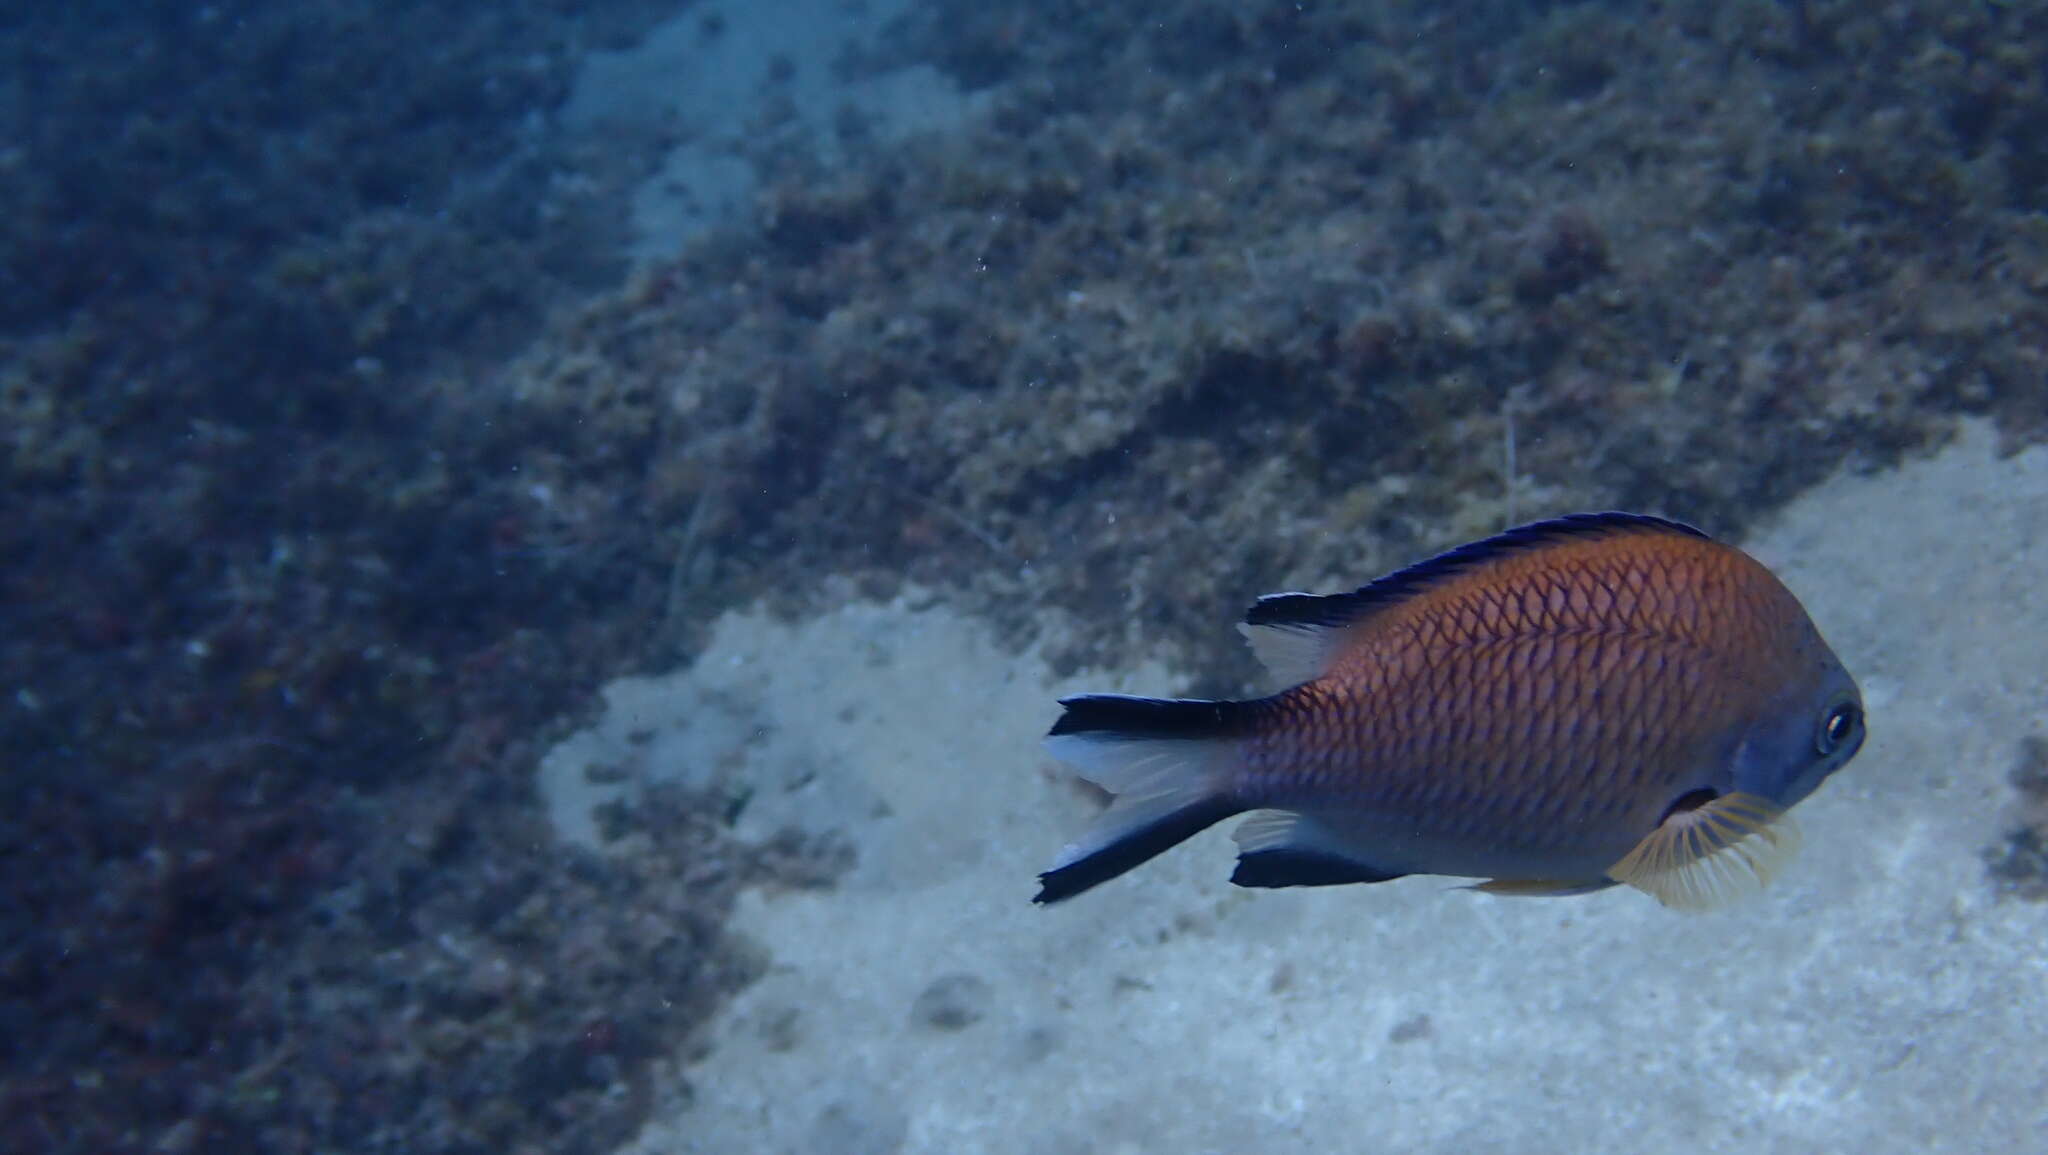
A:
(1295, 634)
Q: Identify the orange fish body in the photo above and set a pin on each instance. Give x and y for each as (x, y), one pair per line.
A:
(1590, 700)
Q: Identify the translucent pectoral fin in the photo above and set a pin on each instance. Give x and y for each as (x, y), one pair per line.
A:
(1711, 854)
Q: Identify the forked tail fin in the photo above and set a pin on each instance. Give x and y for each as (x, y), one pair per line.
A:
(1168, 763)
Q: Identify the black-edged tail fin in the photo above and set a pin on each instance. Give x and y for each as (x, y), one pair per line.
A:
(1105, 857)
(1166, 761)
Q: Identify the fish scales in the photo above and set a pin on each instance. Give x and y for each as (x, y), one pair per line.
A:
(1568, 705)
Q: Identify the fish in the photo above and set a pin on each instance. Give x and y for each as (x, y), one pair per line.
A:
(1592, 700)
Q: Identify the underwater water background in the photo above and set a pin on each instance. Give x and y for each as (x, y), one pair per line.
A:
(540, 540)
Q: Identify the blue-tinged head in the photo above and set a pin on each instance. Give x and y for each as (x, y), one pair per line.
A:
(1810, 727)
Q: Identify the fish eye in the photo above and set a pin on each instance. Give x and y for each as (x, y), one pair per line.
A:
(1837, 726)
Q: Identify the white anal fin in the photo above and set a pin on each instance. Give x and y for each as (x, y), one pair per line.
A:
(1282, 848)
(1701, 858)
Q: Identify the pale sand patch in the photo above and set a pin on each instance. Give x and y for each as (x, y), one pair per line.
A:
(1879, 998)
(715, 73)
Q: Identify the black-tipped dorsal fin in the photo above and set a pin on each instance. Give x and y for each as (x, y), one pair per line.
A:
(1295, 635)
